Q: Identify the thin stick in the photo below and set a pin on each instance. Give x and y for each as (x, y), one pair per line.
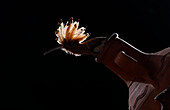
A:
(53, 49)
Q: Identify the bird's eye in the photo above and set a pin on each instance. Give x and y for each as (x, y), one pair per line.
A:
(97, 49)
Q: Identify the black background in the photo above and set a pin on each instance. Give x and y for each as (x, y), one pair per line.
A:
(29, 80)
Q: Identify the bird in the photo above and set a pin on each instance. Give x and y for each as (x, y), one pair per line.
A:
(72, 40)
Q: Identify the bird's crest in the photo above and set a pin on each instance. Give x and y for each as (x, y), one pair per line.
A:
(70, 32)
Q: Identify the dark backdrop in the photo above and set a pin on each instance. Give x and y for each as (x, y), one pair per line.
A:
(29, 80)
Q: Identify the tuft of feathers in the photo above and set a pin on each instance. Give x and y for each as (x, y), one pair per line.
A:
(70, 32)
(70, 36)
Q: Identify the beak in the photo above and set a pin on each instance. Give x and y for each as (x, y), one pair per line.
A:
(53, 49)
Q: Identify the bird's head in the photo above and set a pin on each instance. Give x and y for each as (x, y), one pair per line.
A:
(72, 39)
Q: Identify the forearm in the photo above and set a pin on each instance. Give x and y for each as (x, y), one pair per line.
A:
(131, 51)
(123, 59)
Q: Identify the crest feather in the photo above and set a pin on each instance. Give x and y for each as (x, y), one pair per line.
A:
(70, 32)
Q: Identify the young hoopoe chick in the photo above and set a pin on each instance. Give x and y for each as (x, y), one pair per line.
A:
(72, 40)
